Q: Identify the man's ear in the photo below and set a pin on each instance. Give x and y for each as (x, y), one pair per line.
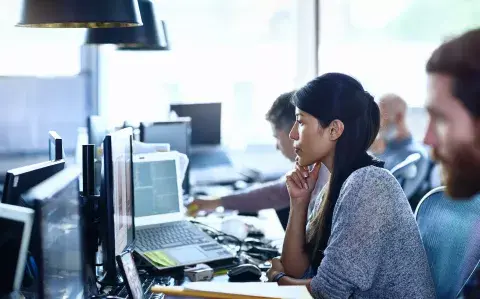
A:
(335, 129)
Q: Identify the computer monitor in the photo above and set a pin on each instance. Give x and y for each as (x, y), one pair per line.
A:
(118, 213)
(206, 121)
(176, 133)
(19, 180)
(55, 146)
(58, 241)
(97, 130)
(16, 225)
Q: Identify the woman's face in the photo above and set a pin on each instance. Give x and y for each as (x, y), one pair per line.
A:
(312, 143)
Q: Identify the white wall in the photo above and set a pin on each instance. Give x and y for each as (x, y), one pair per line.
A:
(417, 120)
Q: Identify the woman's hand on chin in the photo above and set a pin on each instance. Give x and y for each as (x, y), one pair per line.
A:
(300, 184)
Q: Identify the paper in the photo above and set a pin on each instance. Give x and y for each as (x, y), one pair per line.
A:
(146, 148)
(261, 289)
(160, 259)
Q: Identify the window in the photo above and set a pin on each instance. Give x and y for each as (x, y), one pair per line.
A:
(36, 52)
(385, 44)
(243, 53)
(40, 86)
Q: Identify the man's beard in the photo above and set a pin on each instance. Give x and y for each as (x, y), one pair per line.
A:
(462, 173)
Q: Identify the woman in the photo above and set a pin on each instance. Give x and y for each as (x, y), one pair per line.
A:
(361, 240)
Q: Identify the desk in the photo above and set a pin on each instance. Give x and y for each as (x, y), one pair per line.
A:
(267, 221)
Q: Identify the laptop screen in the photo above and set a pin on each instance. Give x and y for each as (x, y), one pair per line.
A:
(156, 188)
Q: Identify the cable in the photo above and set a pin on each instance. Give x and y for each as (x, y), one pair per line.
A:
(218, 233)
(265, 252)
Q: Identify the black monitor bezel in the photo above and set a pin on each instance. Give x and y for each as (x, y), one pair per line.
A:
(54, 138)
(22, 172)
(108, 238)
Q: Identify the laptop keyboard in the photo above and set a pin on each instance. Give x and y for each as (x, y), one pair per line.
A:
(147, 283)
(174, 234)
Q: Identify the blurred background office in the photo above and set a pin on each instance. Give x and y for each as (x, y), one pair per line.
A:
(239, 53)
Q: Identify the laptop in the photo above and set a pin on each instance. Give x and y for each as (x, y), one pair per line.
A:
(160, 223)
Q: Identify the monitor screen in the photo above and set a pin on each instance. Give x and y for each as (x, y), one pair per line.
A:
(21, 179)
(156, 188)
(57, 211)
(206, 121)
(118, 161)
(175, 133)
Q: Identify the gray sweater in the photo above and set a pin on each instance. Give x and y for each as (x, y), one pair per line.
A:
(374, 250)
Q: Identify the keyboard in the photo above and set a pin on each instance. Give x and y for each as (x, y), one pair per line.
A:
(147, 283)
(174, 234)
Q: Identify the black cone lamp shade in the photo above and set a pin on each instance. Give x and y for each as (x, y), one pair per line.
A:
(80, 14)
(151, 36)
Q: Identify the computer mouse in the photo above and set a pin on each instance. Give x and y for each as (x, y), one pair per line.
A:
(235, 226)
(244, 273)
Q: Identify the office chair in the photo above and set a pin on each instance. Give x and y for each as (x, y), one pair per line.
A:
(450, 231)
(407, 169)
(412, 174)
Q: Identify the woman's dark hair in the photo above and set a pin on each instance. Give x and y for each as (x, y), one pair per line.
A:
(330, 97)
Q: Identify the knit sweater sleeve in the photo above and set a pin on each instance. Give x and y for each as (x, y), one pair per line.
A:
(357, 238)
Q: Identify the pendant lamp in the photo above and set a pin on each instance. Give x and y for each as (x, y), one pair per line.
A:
(80, 14)
(151, 36)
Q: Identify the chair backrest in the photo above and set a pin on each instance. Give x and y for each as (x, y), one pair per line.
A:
(412, 174)
(450, 231)
(407, 168)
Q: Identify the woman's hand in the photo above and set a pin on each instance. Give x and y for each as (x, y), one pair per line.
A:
(300, 184)
(276, 268)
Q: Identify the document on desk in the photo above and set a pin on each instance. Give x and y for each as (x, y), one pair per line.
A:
(233, 290)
